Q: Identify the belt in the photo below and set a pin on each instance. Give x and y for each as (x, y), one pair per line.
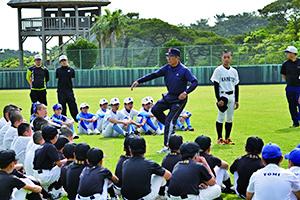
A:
(229, 92)
(39, 171)
(91, 197)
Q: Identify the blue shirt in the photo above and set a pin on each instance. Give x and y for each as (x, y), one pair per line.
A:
(176, 78)
(59, 118)
(85, 116)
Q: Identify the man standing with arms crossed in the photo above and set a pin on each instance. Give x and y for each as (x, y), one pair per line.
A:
(37, 76)
(65, 94)
(176, 77)
(290, 71)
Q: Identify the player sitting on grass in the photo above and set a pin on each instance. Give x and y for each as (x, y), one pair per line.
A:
(67, 132)
(16, 119)
(9, 181)
(58, 118)
(116, 122)
(103, 103)
(142, 178)
(217, 166)
(171, 159)
(184, 117)
(87, 121)
(119, 167)
(189, 174)
(19, 143)
(272, 181)
(69, 154)
(130, 112)
(145, 112)
(244, 166)
(94, 178)
(294, 165)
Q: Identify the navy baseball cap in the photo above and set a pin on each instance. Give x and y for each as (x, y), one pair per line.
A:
(94, 155)
(203, 141)
(189, 149)
(49, 132)
(294, 156)
(271, 151)
(173, 52)
(128, 140)
(254, 144)
(175, 141)
(61, 141)
(81, 150)
(137, 145)
(7, 156)
(69, 150)
(57, 106)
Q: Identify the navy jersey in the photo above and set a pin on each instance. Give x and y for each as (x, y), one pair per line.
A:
(137, 172)
(292, 72)
(245, 166)
(72, 178)
(212, 161)
(7, 183)
(186, 178)
(65, 76)
(176, 78)
(119, 168)
(92, 180)
(45, 156)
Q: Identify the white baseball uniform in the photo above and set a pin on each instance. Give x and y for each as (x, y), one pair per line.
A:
(227, 79)
(272, 182)
(9, 136)
(100, 120)
(107, 127)
(296, 171)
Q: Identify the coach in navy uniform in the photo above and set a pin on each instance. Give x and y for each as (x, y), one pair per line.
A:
(65, 94)
(176, 77)
(290, 71)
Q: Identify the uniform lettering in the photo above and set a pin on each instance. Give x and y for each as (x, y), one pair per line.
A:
(271, 174)
(228, 79)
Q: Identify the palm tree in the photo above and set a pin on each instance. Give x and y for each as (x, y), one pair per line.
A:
(109, 27)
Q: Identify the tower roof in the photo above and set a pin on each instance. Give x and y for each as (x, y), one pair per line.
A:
(55, 3)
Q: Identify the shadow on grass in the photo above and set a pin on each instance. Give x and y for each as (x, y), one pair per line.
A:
(288, 130)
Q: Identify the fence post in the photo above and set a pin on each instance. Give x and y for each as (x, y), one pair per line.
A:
(80, 59)
(131, 57)
(210, 55)
(238, 54)
(158, 56)
(265, 53)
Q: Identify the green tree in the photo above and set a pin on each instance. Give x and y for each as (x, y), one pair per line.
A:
(82, 53)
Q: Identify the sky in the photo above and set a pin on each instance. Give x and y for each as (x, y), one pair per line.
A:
(174, 12)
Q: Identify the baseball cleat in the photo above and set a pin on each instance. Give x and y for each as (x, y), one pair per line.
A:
(75, 136)
(294, 125)
(221, 141)
(164, 150)
(228, 141)
(228, 190)
(96, 132)
(149, 133)
(158, 132)
(183, 128)
(89, 131)
(191, 129)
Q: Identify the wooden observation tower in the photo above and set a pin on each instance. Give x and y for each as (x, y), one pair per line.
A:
(59, 18)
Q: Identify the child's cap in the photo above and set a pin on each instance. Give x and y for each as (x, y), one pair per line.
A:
(254, 144)
(294, 156)
(271, 151)
(146, 100)
(175, 141)
(57, 106)
(94, 155)
(84, 105)
(114, 101)
(102, 102)
(7, 156)
(203, 141)
(128, 100)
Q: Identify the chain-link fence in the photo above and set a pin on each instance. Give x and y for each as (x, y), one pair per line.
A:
(192, 56)
(201, 55)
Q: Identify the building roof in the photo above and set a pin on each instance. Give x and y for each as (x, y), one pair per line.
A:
(55, 3)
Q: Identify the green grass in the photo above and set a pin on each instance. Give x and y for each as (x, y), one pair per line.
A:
(263, 112)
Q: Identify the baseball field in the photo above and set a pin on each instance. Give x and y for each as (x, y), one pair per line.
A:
(263, 112)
